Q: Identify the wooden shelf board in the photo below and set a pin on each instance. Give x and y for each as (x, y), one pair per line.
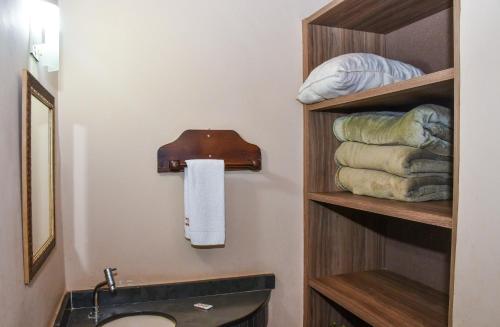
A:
(385, 299)
(433, 87)
(437, 213)
(375, 15)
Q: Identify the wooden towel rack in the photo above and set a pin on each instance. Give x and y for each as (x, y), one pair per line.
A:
(209, 144)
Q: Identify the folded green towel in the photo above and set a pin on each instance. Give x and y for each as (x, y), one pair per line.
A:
(426, 127)
(401, 160)
(387, 186)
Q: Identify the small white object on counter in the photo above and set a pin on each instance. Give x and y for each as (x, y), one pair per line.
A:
(203, 306)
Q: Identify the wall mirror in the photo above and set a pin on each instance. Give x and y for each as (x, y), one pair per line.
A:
(37, 175)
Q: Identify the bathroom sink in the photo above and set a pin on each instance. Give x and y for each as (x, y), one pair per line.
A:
(140, 320)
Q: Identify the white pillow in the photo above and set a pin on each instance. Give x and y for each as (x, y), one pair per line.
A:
(352, 73)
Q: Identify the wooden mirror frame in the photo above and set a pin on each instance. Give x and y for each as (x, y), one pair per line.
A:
(34, 261)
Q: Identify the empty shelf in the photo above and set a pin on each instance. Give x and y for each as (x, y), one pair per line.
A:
(437, 213)
(385, 299)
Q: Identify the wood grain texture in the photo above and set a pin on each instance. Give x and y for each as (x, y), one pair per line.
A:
(326, 42)
(322, 143)
(307, 44)
(376, 15)
(431, 88)
(419, 252)
(385, 299)
(456, 150)
(343, 241)
(325, 313)
(437, 213)
(209, 144)
(307, 306)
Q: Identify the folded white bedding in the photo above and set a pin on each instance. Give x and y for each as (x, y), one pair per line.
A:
(352, 73)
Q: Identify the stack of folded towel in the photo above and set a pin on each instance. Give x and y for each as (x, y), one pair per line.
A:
(393, 155)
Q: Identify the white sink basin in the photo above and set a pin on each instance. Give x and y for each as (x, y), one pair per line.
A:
(141, 320)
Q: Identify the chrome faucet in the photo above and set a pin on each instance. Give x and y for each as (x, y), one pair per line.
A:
(110, 281)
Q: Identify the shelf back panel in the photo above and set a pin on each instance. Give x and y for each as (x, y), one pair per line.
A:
(419, 252)
(339, 244)
(329, 42)
(426, 44)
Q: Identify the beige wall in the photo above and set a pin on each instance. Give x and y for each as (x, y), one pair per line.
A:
(477, 280)
(135, 76)
(20, 305)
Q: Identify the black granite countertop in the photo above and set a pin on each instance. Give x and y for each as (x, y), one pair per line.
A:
(233, 300)
(227, 308)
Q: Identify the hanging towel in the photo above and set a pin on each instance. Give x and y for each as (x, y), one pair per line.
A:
(427, 127)
(380, 184)
(187, 235)
(401, 160)
(204, 206)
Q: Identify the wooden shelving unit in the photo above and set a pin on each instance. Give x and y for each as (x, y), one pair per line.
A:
(382, 298)
(369, 261)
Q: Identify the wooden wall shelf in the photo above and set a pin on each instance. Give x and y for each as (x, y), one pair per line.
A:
(375, 15)
(209, 144)
(385, 299)
(437, 213)
(432, 88)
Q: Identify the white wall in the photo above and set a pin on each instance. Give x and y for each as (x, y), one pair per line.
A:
(477, 280)
(20, 305)
(136, 75)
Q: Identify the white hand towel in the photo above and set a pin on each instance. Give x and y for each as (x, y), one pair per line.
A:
(186, 203)
(204, 202)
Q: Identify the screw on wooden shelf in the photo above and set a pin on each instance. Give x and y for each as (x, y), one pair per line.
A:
(175, 165)
(208, 135)
(210, 156)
